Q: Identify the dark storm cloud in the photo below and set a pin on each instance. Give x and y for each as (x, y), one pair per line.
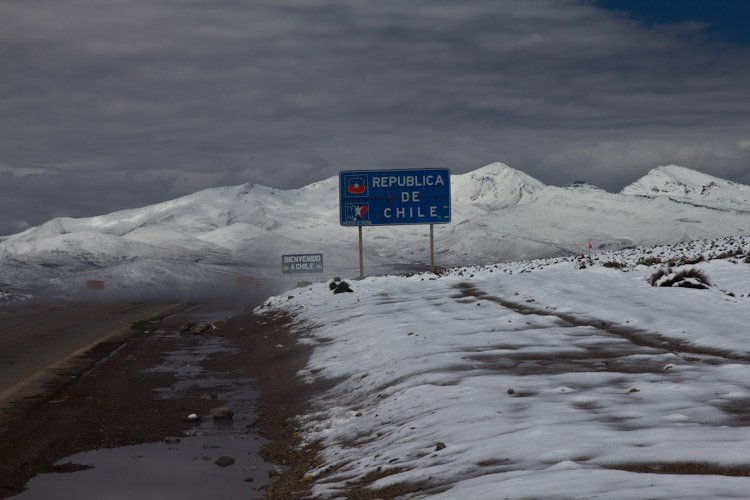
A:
(115, 104)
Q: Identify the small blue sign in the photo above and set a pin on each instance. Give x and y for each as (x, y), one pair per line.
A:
(391, 197)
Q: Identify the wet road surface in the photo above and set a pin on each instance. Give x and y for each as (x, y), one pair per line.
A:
(36, 341)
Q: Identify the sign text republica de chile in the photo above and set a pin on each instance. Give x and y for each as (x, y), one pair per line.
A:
(389, 197)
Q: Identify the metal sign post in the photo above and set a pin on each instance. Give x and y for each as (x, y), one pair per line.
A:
(432, 252)
(394, 197)
(361, 266)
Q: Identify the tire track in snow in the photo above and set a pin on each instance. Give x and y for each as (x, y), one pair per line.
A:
(643, 338)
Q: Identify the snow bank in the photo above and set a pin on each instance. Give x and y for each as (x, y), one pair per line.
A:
(532, 380)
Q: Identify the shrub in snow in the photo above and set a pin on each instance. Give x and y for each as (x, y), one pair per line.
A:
(687, 278)
(648, 261)
(730, 253)
(613, 264)
(694, 260)
(685, 261)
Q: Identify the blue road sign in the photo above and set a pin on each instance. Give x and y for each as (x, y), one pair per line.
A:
(390, 197)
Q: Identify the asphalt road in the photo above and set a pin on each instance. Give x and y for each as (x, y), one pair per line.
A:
(37, 341)
(119, 406)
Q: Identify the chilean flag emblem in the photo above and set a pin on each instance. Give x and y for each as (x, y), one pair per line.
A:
(355, 185)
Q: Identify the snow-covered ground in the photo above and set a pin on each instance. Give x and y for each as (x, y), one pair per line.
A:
(560, 378)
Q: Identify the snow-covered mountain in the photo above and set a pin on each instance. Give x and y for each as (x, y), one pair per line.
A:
(498, 214)
(495, 186)
(683, 182)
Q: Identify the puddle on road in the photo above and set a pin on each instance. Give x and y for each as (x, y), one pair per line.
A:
(184, 470)
(183, 467)
(213, 316)
(187, 365)
(208, 314)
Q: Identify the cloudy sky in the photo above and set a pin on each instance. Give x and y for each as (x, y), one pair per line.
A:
(112, 104)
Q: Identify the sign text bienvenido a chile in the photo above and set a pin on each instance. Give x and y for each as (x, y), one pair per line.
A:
(302, 263)
(389, 197)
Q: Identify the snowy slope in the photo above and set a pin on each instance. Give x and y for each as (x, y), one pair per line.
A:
(536, 379)
(498, 214)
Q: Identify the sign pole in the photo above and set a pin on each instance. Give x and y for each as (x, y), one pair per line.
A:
(432, 251)
(361, 267)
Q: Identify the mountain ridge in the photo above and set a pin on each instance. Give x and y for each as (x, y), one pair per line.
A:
(482, 186)
(673, 180)
(498, 214)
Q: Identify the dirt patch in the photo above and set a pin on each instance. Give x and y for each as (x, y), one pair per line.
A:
(277, 358)
(359, 490)
(689, 468)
